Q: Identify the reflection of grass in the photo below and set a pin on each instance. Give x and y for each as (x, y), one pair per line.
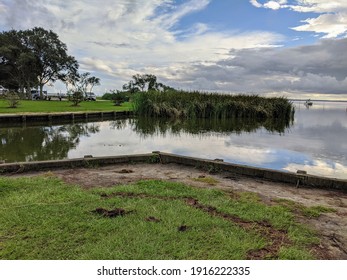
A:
(43, 218)
(28, 106)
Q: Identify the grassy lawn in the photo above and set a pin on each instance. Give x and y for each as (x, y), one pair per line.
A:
(43, 218)
(29, 106)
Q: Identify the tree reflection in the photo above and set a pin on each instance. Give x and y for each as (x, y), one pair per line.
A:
(119, 124)
(43, 142)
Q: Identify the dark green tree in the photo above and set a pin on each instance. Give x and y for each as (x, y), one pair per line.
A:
(93, 81)
(53, 62)
(131, 87)
(144, 82)
(33, 58)
(17, 63)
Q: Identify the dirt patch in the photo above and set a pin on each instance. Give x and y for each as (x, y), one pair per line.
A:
(111, 213)
(126, 171)
(183, 228)
(331, 226)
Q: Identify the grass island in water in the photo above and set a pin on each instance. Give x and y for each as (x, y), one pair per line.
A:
(211, 105)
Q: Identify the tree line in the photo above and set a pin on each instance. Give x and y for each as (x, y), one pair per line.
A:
(35, 57)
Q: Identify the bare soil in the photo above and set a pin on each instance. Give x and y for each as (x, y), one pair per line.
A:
(332, 227)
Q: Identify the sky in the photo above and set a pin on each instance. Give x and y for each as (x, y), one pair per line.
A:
(293, 48)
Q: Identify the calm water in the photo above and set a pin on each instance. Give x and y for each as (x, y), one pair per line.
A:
(315, 142)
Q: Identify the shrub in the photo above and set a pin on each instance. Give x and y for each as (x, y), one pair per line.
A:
(12, 99)
(107, 96)
(119, 97)
(76, 98)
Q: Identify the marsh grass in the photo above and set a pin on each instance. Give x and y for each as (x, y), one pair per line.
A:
(43, 218)
(211, 105)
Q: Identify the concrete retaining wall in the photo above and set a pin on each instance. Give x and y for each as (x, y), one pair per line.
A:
(263, 173)
(39, 117)
(87, 161)
(165, 158)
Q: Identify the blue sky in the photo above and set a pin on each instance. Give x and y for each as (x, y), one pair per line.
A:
(294, 48)
(242, 16)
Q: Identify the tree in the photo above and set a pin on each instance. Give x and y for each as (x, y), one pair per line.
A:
(81, 82)
(53, 62)
(131, 87)
(144, 82)
(93, 81)
(17, 63)
(33, 58)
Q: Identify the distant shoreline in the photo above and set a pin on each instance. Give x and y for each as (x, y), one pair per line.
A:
(318, 100)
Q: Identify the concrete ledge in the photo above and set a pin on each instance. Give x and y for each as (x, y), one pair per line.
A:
(72, 163)
(166, 158)
(23, 118)
(263, 173)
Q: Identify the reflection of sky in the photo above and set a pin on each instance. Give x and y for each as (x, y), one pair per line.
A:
(316, 143)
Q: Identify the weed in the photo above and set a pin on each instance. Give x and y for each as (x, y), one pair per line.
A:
(153, 159)
(208, 180)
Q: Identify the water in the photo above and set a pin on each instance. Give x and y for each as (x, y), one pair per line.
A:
(315, 142)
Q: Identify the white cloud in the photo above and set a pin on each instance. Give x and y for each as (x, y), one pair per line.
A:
(333, 25)
(319, 6)
(331, 21)
(273, 5)
(255, 3)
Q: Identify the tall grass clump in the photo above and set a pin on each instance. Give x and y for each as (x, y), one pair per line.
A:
(195, 104)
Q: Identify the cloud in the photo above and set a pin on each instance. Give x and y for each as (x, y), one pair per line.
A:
(319, 68)
(256, 4)
(333, 25)
(331, 21)
(273, 5)
(319, 6)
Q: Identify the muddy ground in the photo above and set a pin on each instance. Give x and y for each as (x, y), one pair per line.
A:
(331, 226)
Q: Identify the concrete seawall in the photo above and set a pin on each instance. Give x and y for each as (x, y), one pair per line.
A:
(39, 117)
(166, 158)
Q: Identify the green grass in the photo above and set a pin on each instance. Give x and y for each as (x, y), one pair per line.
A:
(311, 211)
(29, 106)
(207, 180)
(43, 218)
